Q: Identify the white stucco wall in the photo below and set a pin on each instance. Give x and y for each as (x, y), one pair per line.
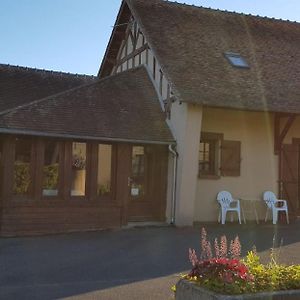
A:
(186, 127)
(259, 165)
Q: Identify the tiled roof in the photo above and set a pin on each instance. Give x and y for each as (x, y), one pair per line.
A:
(123, 107)
(190, 43)
(20, 85)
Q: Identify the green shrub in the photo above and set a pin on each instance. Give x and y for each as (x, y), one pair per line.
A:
(50, 179)
(222, 271)
(22, 178)
(273, 276)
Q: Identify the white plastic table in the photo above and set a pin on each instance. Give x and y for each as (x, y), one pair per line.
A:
(248, 204)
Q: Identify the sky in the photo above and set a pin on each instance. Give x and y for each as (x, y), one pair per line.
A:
(72, 35)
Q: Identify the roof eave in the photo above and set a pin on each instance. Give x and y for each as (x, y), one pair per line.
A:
(84, 137)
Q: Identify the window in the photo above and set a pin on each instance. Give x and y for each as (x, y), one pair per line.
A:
(209, 154)
(218, 157)
(22, 167)
(236, 60)
(51, 168)
(104, 169)
(78, 175)
(138, 171)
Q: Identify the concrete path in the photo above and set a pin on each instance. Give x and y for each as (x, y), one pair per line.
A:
(137, 263)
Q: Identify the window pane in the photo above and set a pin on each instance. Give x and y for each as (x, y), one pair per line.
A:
(104, 169)
(138, 161)
(51, 169)
(78, 169)
(138, 171)
(22, 176)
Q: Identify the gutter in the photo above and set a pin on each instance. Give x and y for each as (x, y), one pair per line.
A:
(174, 185)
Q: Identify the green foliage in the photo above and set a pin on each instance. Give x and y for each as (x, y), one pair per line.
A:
(240, 276)
(22, 178)
(103, 189)
(50, 179)
(273, 276)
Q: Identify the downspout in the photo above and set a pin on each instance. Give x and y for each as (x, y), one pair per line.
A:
(174, 184)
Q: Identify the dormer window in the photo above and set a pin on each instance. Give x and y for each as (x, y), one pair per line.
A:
(236, 60)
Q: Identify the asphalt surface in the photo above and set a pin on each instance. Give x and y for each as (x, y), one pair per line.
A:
(137, 263)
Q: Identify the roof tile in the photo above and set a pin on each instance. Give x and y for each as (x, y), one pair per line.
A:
(121, 107)
(21, 85)
(191, 50)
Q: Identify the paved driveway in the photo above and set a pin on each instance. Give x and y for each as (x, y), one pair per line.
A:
(138, 263)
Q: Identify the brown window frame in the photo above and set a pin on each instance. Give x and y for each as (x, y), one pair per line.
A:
(214, 141)
(60, 195)
(68, 169)
(111, 196)
(31, 196)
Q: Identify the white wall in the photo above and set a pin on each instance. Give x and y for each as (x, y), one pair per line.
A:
(259, 165)
(186, 126)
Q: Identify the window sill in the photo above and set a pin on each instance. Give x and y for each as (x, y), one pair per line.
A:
(213, 177)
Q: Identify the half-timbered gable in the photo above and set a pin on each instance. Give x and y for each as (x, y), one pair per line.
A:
(134, 50)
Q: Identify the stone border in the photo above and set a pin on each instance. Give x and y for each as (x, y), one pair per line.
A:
(187, 290)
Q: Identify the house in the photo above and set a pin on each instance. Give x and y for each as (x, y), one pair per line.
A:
(188, 101)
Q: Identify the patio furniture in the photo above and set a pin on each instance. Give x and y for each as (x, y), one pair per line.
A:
(228, 204)
(248, 205)
(275, 205)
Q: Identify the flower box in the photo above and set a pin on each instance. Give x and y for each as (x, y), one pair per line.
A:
(188, 290)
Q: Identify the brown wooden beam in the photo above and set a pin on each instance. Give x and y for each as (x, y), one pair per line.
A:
(286, 128)
(278, 134)
(132, 54)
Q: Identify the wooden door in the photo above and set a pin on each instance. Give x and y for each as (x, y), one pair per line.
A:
(146, 185)
(289, 176)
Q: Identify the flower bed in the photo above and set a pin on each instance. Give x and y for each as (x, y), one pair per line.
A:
(225, 273)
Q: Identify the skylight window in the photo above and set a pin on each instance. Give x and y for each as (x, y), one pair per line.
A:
(236, 60)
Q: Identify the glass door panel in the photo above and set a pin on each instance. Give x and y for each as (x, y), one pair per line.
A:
(138, 174)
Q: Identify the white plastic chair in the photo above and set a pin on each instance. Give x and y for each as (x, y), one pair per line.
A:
(225, 200)
(272, 204)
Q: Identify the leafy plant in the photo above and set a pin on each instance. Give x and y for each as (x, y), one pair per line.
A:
(22, 178)
(103, 189)
(221, 270)
(50, 180)
(273, 276)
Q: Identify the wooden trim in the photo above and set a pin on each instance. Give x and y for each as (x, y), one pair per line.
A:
(88, 170)
(278, 134)
(286, 128)
(114, 171)
(132, 54)
(147, 56)
(211, 136)
(215, 177)
(8, 169)
(122, 188)
(39, 163)
(161, 81)
(93, 171)
(67, 170)
(154, 67)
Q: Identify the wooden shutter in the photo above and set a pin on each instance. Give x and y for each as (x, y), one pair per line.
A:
(230, 158)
